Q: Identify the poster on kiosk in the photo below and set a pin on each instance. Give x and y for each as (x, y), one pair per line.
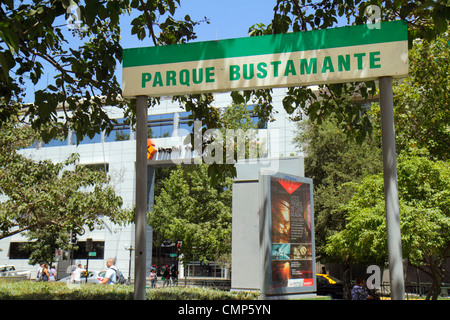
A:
(288, 235)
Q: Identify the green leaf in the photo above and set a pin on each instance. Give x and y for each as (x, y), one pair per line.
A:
(6, 63)
(9, 37)
(52, 87)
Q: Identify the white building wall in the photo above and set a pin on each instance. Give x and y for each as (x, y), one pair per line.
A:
(121, 157)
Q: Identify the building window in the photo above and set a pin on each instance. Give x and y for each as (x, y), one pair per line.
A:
(120, 131)
(184, 121)
(19, 250)
(101, 167)
(160, 125)
(260, 123)
(97, 246)
(86, 140)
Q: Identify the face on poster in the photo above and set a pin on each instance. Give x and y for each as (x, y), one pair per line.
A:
(291, 235)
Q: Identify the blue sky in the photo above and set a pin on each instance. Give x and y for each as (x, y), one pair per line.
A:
(228, 19)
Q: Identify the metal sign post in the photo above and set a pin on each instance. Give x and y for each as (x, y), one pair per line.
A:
(141, 198)
(394, 240)
(88, 251)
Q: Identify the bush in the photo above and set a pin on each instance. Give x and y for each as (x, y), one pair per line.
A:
(61, 291)
(197, 293)
(26, 290)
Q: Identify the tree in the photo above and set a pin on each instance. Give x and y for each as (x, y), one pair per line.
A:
(237, 117)
(193, 204)
(420, 121)
(44, 242)
(232, 139)
(333, 161)
(84, 59)
(191, 210)
(426, 20)
(41, 195)
(424, 189)
(31, 37)
(422, 99)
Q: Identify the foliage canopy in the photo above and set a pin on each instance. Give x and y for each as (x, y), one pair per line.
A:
(33, 40)
(47, 200)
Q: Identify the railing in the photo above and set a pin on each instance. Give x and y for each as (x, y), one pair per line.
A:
(414, 290)
(216, 283)
(221, 284)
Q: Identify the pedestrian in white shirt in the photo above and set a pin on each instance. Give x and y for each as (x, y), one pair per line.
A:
(76, 274)
(110, 275)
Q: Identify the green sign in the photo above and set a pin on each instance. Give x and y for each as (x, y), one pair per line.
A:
(354, 53)
(92, 254)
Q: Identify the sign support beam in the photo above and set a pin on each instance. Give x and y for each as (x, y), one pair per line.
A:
(394, 242)
(141, 198)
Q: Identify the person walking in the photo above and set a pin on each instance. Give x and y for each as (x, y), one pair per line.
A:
(166, 276)
(110, 275)
(76, 275)
(174, 276)
(52, 274)
(153, 278)
(39, 273)
(45, 273)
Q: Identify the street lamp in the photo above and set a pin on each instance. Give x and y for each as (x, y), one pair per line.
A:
(129, 247)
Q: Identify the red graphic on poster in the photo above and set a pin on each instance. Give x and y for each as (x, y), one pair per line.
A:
(289, 186)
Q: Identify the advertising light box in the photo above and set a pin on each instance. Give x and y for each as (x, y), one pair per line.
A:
(287, 222)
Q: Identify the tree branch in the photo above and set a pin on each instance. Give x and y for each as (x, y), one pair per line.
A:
(149, 24)
(11, 233)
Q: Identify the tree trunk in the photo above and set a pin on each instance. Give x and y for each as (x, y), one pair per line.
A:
(434, 291)
(438, 276)
(346, 280)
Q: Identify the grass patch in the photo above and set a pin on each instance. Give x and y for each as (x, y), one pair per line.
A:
(26, 290)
